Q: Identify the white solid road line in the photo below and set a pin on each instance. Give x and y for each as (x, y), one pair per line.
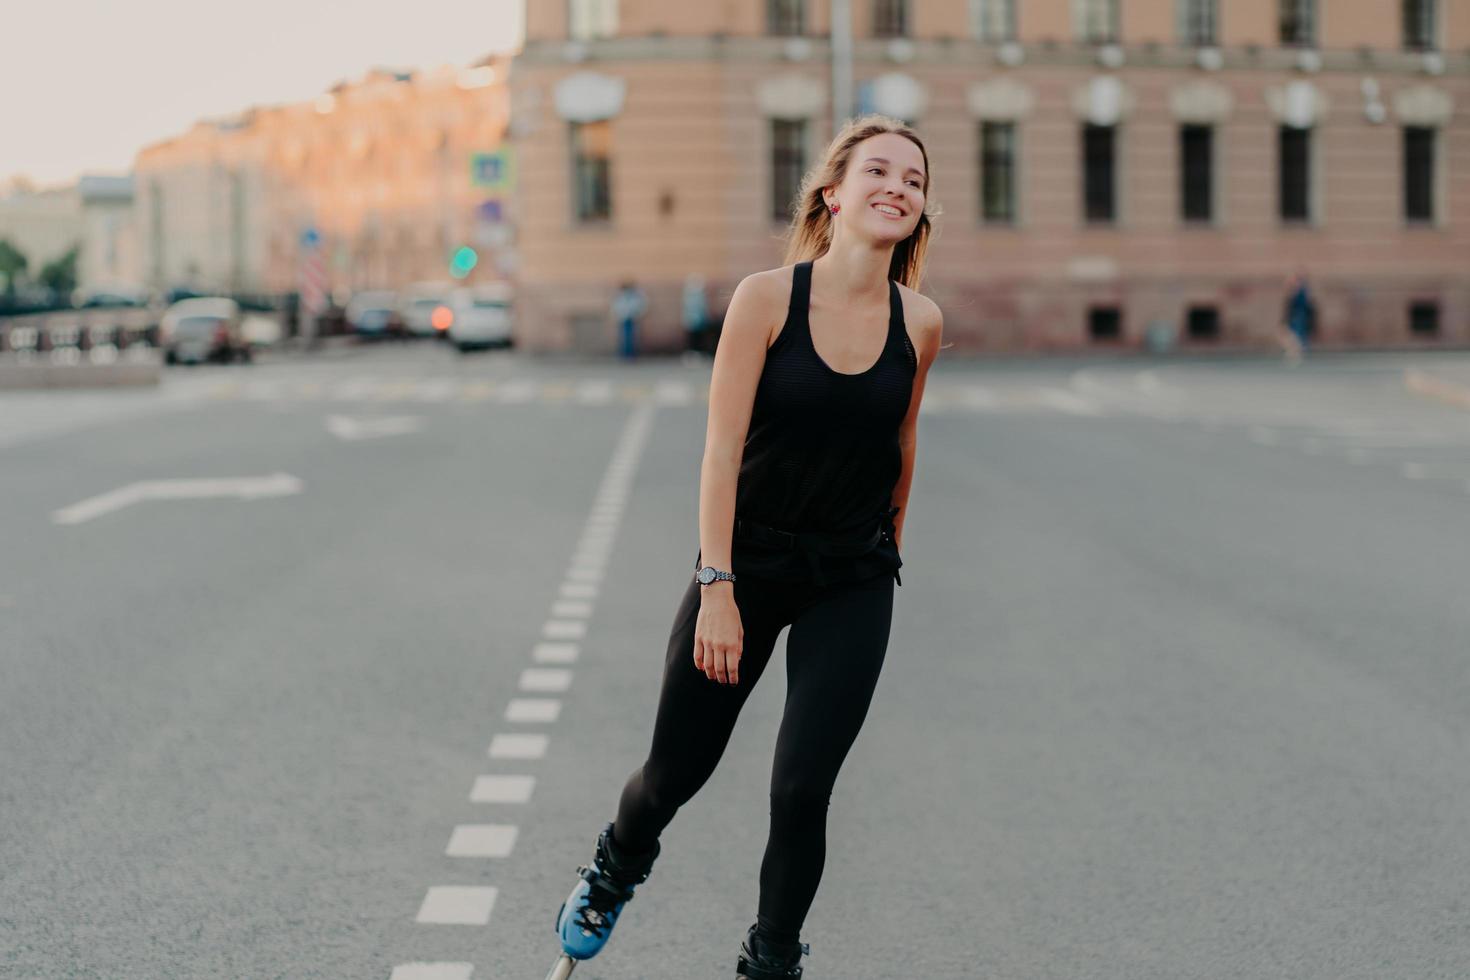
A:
(595, 392)
(347, 428)
(433, 971)
(1066, 401)
(517, 391)
(533, 710)
(436, 390)
(245, 488)
(457, 905)
(503, 789)
(487, 840)
(673, 393)
(518, 746)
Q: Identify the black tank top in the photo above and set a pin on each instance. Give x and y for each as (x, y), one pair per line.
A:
(822, 451)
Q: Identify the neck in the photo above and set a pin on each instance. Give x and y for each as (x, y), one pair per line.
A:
(856, 270)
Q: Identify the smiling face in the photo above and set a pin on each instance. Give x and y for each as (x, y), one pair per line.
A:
(882, 194)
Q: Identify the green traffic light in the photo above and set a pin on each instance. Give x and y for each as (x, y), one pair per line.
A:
(464, 260)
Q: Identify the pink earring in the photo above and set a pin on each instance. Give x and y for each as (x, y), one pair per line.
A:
(835, 208)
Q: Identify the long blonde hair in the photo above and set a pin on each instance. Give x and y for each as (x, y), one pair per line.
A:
(810, 234)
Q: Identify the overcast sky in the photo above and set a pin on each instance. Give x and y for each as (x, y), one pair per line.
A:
(87, 84)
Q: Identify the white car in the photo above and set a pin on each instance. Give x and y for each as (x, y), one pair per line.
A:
(206, 328)
(424, 309)
(481, 316)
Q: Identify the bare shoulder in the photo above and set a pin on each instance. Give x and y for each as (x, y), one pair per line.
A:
(760, 301)
(924, 320)
(769, 287)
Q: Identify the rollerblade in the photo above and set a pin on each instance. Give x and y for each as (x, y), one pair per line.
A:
(587, 917)
(762, 959)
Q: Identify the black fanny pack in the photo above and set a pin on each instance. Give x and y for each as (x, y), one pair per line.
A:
(843, 544)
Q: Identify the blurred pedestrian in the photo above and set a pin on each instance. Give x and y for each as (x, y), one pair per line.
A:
(1297, 317)
(628, 307)
(807, 467)
(696, 316)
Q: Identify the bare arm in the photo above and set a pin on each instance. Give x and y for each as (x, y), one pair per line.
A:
(931, 331)
(737, 369)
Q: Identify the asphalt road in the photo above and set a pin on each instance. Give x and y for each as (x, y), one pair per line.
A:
(1177, 684)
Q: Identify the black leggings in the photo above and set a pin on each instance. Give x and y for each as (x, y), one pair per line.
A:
(834, 653)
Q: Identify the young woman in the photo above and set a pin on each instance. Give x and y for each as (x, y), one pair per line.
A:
(804, 487)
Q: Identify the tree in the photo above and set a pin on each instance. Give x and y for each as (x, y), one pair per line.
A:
(12, 264)
(60, 274)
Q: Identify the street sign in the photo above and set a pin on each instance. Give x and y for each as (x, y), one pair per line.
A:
(491, 210)
(495, 171)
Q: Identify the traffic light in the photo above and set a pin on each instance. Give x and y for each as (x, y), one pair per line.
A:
(463, 261)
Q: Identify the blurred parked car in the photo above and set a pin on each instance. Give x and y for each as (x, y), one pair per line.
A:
(373, 314)
(203, 329)
(424, 308)
(481, 316)
(261, 329)
(110, 295)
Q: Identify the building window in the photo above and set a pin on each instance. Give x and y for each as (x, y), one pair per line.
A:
(786, 18)
(1294, 162)
(993, 21)
(1099, 199)
(1299, 23)
(1419, 25)
(1198, 22)
(1105, 323)
(1424, 319)
(1096, 21)
(890, 18)
(788, 165)
(1204, 323)
(998, 172)
(1196, 172)
(588, 20)
(1418, 173)
(591, 170)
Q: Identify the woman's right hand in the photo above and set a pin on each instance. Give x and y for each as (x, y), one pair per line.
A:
(718, 635)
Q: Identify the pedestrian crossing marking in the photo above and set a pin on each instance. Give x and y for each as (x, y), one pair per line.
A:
(939, 399)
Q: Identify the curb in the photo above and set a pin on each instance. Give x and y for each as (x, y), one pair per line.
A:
(26, 376)
(1429, 386)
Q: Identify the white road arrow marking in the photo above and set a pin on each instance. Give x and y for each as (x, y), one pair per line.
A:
(244, 488)
(349, 428)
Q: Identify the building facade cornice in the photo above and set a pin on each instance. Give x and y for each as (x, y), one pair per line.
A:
(917, 53)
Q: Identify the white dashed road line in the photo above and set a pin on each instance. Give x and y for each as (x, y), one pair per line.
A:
(518, 746)
(433, 971)
(483, 840)
(473, 905)
(555, 653)
(457, 905)
(533, 710)
(545, 679)
(503, 789)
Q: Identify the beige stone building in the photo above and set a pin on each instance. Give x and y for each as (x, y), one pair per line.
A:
(1102, 165)
(94, 214)
(383, 168)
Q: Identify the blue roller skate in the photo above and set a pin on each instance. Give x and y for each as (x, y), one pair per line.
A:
(588, 915)
(765, 959)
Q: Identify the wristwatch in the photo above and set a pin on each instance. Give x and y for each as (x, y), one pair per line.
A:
(709, 574)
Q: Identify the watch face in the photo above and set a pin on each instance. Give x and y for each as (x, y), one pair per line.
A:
(706, 575)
